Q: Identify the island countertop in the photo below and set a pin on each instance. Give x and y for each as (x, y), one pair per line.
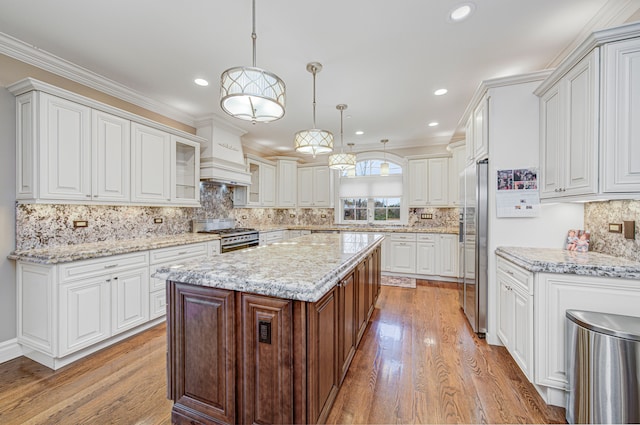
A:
(590, 263)
(302, 269)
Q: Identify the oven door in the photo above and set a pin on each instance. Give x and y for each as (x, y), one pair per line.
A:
(238, 246)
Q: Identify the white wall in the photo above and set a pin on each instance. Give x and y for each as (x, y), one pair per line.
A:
(514, 143)
(7, 218)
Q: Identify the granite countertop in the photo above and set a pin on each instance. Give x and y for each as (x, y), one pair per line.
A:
(360, 228)
(301, 269)
(68, 253)
(549, 260)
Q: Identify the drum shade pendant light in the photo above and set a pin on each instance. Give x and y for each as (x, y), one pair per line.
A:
(351, 172)
(342, 161)
(314, 141)
(251, 93)
(384, 167)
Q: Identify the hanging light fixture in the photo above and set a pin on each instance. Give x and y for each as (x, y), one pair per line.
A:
(251, 93)
(314, 141)
(351, 172)
(342, 161)
(384, 167)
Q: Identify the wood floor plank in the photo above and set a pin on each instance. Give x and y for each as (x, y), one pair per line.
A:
(418, 362)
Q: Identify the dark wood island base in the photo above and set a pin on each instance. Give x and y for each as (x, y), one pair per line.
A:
(237, 357)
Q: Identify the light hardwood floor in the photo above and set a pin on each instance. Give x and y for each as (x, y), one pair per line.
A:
(418, 363)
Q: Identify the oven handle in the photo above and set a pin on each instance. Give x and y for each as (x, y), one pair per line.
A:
(240, 245)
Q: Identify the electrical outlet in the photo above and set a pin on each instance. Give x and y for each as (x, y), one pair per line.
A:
(244, 217)
(323, 216)
(268, 215)
(158, 220)
(629, 230)
(292, 215)
(426, 216)
(80, 223)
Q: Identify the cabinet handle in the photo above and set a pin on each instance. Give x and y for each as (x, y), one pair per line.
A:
(509, 272)
(182, 253)
(95, 196)
(108, 280)
(115, 278)
(110, 266)
(88, 196)
(168, 199)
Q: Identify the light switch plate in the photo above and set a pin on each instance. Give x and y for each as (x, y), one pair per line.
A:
(80, 223)
(158, 220)
(615, 227)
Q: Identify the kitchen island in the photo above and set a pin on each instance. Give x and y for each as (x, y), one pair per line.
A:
(267, 334)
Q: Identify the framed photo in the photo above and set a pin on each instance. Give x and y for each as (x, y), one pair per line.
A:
(577, 240)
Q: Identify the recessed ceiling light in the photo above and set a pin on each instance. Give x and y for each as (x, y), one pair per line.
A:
(201, 82)
(461, 12)
(433, 124)
(440, 92)
(359, 133)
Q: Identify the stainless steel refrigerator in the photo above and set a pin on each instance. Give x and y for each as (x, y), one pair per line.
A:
(473, 240)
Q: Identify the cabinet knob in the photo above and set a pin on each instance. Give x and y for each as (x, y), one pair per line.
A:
(110, 266)
(88, 196)
(108, 280)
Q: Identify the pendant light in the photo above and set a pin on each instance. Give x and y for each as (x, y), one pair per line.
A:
(384, 167)
(342, 161)
(251, 93)
(314, 141)
(351, 172)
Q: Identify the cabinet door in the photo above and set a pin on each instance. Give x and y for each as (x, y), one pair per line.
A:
(481, 130)
(151, 165)
(402, 257)
(185, 171)
(456, 166)
(305, 187)
(580, 162)
(505, 309)
(268, 185)
(266, 372)
(130, 297)
(551, 152)
(347, 337)
(322, 187)
(468, 136)
(437, 181)
(111, 151)
(621, 109)
(522, 337)
(426, 258)
(418, 189)
(201, 320)
(287, 184)
(65, 149)
(323, 365)
(253, 197)
(84, 314)
(447, 255)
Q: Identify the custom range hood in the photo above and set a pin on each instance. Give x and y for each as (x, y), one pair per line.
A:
(222, 158)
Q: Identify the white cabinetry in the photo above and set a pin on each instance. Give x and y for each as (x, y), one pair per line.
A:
(620, 112)
(286, 182)
(447, 255)
(426, 254)
(262, 191)
(130, 296)
(402, 253)
(515, 313)
(271, 236)
(111, 157)
(569, 131)
(73, 149)
(456, 166)
(481, 130)
(428, 182)
(315, 187)
(589, 129)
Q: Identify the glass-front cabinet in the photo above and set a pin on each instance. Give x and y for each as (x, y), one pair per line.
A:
(186, 171)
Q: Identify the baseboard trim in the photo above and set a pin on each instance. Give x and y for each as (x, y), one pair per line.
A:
(10, 350)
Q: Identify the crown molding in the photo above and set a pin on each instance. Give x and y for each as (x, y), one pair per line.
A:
(17, 49)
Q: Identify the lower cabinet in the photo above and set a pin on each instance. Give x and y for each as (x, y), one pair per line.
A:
(130, 295)
(235, 357)
(425, 254)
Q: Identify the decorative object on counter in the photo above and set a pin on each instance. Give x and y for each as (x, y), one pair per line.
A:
(402, 282)
(577, 240)
(342, 161)
(252, 93)
(314, 141)
(384, 167)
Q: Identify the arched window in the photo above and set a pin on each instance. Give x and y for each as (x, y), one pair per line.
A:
(371, 167)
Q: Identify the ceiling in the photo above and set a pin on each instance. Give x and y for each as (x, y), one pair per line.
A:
(383, 58)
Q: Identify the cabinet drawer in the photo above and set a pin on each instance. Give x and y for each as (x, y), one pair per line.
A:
(157, 304)
(517, 275)
(426, 237)
(100, 266)
(274, 236)
(407, 237)
(177, 253)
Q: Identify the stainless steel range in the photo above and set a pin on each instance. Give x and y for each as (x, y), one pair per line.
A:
(231, 238)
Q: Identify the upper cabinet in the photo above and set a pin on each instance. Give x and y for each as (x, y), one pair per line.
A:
(315, 187)
(70, 149)
(429, 182)
(589, 138)
(477, 132)
(262, 190)
(286, 182)
(456, 166)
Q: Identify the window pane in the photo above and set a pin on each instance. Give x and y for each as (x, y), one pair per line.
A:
(349, 203)
(349, 214)
(393, 202)
(361, 203)
(380, 214)
(361, 214)
(393, 214)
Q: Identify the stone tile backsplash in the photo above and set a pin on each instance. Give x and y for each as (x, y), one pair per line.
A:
(598, 215)
(48, 225)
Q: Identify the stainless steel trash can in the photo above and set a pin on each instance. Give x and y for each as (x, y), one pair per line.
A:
(603, 368)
